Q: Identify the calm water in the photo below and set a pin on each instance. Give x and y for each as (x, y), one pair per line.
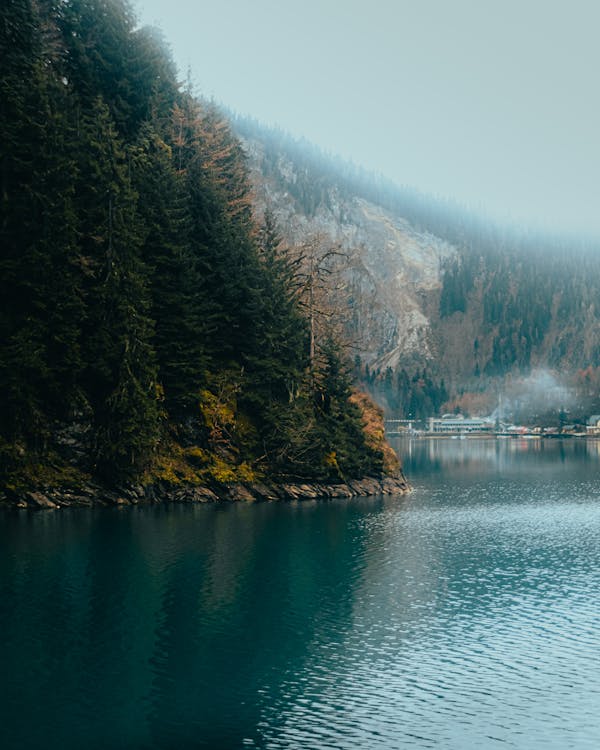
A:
(466, 615)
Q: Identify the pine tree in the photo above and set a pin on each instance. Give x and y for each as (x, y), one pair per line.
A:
(120, 374)
(276, 358)
(179, 307)
(136, 293)
(21, 353)
(340, 439)
(101, 60)
(225, 231)
(41, 306)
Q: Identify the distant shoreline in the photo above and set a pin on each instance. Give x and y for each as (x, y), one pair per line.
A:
(491, 436)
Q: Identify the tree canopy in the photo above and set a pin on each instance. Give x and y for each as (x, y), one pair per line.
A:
(149, 325)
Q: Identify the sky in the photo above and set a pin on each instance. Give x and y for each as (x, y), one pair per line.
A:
(493, 103)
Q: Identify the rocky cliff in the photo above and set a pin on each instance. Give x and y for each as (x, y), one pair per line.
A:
(430, 285)
(395, 273)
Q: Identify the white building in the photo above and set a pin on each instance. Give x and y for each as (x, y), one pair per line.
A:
(593, 425)
(457, 424)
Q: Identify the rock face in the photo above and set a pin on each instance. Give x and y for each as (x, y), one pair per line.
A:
(94, 495)
(395, 274)
(512, 301)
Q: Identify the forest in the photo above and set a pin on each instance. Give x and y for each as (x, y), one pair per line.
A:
(510, 300)
(151, 327)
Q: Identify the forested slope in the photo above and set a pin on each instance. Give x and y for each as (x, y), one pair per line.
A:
(150, 329)
(442, 303)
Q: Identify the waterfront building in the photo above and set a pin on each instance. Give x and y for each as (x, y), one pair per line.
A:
(456, 423)
(593, 425)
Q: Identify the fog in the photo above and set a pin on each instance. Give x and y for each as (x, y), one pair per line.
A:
(540, 393)
(495, 105)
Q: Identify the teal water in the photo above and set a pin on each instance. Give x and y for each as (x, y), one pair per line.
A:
(466, 615)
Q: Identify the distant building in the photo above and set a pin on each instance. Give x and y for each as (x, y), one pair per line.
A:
(456, 423)
(593, 425)
(517, 429)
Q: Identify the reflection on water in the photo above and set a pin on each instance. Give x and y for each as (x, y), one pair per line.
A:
(458, 617)
(454, 457)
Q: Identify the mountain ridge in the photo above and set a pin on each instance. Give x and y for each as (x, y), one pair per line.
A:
(436, 287)
(385, 247)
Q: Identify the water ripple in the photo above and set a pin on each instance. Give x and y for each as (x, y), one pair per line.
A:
(464, 616)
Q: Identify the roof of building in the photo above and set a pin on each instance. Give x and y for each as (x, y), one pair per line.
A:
(462, 420)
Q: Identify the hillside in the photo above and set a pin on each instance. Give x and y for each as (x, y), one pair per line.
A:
(436, 297)
(393, 265)
(152, 333)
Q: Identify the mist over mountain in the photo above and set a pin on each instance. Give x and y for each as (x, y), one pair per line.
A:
(155, 328)
(442, 307)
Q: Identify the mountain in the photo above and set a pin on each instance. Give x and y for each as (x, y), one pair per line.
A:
(433, 293)
(393, 265)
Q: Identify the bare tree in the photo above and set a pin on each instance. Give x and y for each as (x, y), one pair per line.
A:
(321, 285)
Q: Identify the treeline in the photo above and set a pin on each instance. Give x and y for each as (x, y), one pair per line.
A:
(148, 326)
(535, 308)
(417, 395)
(319, 176)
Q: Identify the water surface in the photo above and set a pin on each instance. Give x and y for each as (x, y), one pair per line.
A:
(465, 615)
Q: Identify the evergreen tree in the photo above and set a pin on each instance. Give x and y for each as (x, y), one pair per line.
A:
(339, 437)
(120, 374)
(139, 303)
(41, 304)
(277, 358)
(179, 308)
(103, 59)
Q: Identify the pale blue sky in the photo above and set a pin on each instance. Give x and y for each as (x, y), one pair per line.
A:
(493, 103)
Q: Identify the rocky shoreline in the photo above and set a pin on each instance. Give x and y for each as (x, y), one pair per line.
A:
(93, 495)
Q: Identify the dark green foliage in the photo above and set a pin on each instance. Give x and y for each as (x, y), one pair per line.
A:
(277, 359)
(414, 394)
(533, 305)
(339, 434)
(178, 307)
(320, 435)
(105, 57)
(39, 280)
(459, 276)
(139, 303)
(119, 378)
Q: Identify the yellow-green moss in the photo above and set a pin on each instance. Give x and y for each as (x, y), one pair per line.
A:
(194, 465)
(171, 465)
(226, 473)
(330, 460)
(50, 472)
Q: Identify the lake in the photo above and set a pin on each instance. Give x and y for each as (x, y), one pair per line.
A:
(464, 615)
